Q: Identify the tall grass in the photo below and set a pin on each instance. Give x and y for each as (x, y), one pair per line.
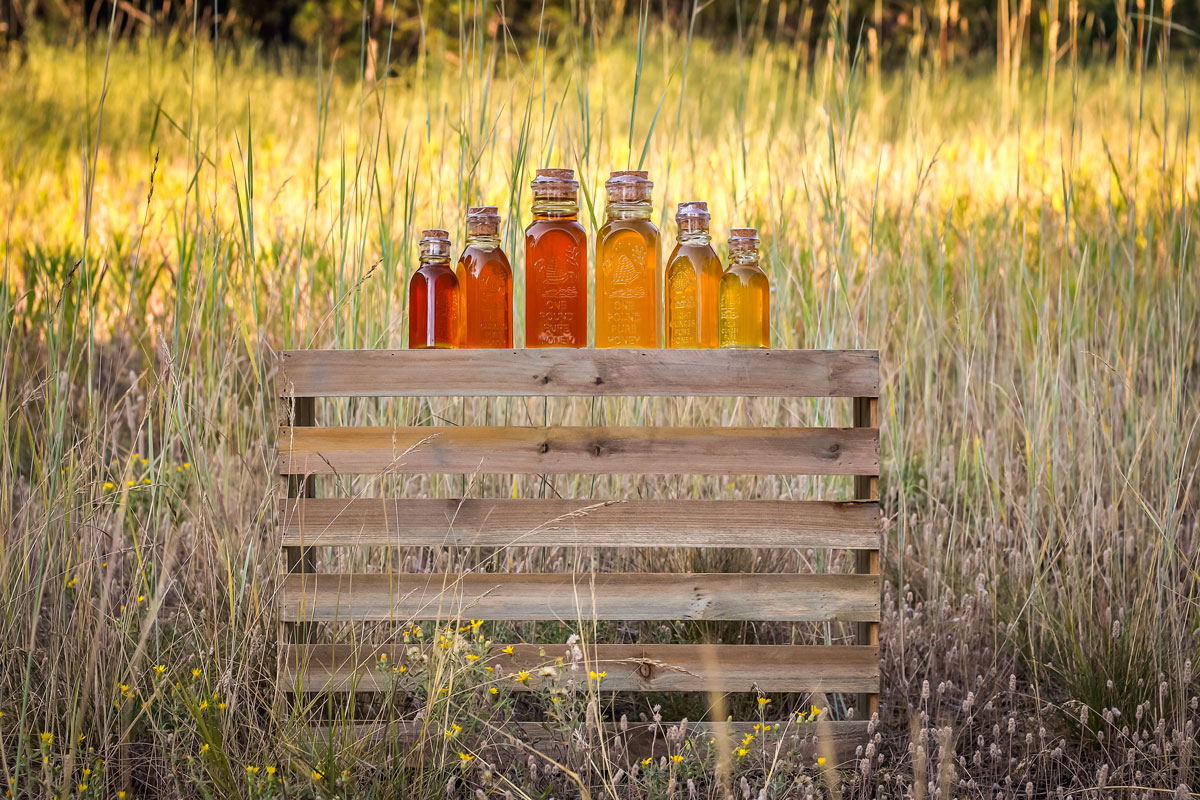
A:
(1018, 244)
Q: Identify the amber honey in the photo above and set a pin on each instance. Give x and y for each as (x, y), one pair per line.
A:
(745, 294)
(693, 279)
(555, 264)
(628, 280)
(485, 284)
(433, 296)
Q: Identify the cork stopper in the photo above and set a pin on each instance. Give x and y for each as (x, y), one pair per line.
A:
(483, 221)
(743, 240)
(692, 216)
(435, 242)
(555, 184)
(629, 186)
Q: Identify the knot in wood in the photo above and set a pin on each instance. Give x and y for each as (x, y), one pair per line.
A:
(645, 670)
(544, 447)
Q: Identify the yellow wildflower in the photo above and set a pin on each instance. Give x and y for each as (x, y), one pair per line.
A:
(317, 775)
(196, 673)
(494, 690)
(204, 748)
(251, 769)
(762, 701)
(466, 757)
(821, 761)
(597, 676)
(742, 752)
(83, 787)
(220, 706)
(507, 650)
(270, 770)
(472, 657)
(646, 761)
(47, 737)
(677, 758)
(455, 729)
(522, 676)
(141, 598)
(109, 485)
(160, 669)
(73, 581)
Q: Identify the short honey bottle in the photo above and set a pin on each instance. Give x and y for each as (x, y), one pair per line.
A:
(433, 296)
(628, 276)
(484, 284)
(555, 264)
(693, 281)
(745, 294)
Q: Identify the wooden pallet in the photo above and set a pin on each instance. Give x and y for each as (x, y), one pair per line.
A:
(307, 451)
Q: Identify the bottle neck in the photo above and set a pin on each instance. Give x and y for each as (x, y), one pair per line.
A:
(555, 208)
(700, 237)
(483, 241)
(628, 210)
(434, 260)
(744, 258)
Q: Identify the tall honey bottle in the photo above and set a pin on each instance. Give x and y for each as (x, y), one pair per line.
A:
(693, 281)
(484, 284)
(433, 296)
(745, 294)
(555, 264)
(628, 279)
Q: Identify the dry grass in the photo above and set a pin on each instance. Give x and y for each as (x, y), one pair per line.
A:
(1023, 258)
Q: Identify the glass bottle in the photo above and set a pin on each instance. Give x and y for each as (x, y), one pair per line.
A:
(433, 297)
(484, 284)
(745, 294)
(628, 277)
(693, 281)
(555, 264)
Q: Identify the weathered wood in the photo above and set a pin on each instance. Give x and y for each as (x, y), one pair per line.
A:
(498, 744)
(573, 597)
(626, 667)
(298, 558)
(580, 523)
(562, 371)
(591, 450)
(866, 487)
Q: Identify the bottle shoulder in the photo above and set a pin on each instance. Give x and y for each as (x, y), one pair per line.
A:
(702, 258)
(747, 275)
(540, 227)
(475, 261)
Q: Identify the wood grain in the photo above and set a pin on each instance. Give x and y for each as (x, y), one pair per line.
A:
(588, 450)
(626, 667)
(573, 597)
(579, 523)
(563, 372)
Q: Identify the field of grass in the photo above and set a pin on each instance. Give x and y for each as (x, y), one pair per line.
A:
(1018, 244)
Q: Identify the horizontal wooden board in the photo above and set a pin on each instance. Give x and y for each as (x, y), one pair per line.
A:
(564, 371)
(571, 597)
(835, 740)
(590, 450)
(625, 667)
(579, 523)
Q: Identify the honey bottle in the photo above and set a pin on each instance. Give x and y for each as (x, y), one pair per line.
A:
(433, 296)
(555, 264)
(745, 294)
(693, 281)
(628, 279)
(484, 284)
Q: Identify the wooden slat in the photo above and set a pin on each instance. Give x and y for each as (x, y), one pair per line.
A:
(836, 740)
(627, 667)
(570, 597)
(580, 523)
(558, 372)
(592, 450)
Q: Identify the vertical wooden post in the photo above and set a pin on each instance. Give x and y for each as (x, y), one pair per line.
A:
(301, 559)
(866, 487)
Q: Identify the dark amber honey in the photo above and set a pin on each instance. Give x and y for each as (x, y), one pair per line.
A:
(433, 297)
(485, 284)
